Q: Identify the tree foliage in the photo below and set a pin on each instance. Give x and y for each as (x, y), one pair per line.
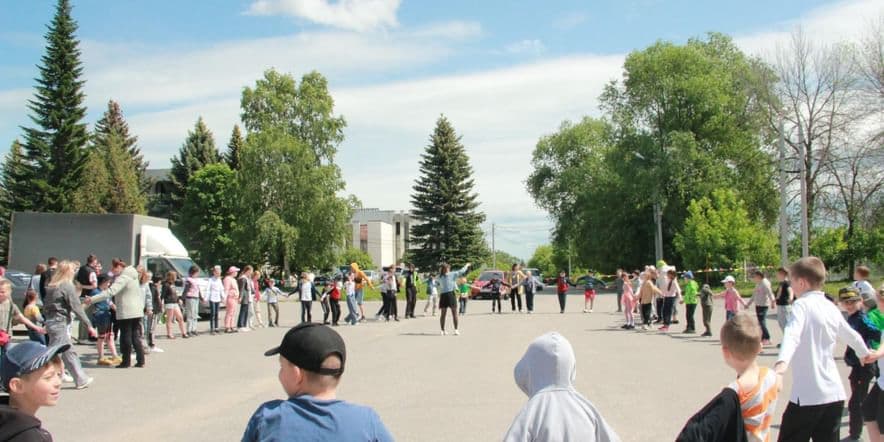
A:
(449, 228)
(719, 232)
(55, 145)
(353, 254)
(112, 123)
(197, 151)
(234, 147)
(684, 121)
(14, 193)
(305, 111)
(208, 217)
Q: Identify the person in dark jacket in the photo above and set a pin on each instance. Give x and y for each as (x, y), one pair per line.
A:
(410, 290)
(718, 421)
(31, 373)
(860, 375)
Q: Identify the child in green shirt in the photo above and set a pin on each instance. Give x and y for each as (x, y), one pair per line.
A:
(689, 299)
(464, 290)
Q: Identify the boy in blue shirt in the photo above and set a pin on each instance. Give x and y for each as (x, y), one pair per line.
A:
(311, 362)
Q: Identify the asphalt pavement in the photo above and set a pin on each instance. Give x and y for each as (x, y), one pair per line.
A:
(426, 387)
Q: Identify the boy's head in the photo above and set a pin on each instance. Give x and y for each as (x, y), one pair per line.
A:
(740, 340)
(31, 373)
(104, 282)
(311, 360)
(757, 275)
(861, 273)
(782, 274)
(689, 275)
(5, 289)
(808, 273)
(850, 299)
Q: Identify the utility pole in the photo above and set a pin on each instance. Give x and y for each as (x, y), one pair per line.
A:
(805, 234)
(658, 236)
(493, 249)
(784, 228)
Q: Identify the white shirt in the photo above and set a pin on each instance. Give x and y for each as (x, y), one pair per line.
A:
(351, 288)
(306, 291)
(215, 290)
(809, 344)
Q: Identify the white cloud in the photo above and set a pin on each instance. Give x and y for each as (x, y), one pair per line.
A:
(454, 30)
(530, 47)
(355, 15)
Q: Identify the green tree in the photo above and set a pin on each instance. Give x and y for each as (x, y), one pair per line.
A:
(112, 123)
(290, 207)
(234, 147)
(55, 145)
(305, 111)
(126, 194)
(288, 180)
(208, 216)
(542, 259)
(197, 151)
(353, 254)
(91, 196)
(719, 232)
(14, 193)
(449, 228)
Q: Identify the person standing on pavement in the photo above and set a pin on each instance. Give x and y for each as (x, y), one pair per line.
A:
(448, 298)
(762, 297)
(272, 294)
(151, 304)
(307, 293)
(46, 277)
(690, 292)
(816, 403)
(129, 299)
(361, 280)
(671, 292)
(246, 292)
(62, 300)
(172, 305)
(706, 299)
(562, 284)
(231, 299)
(530, 288)
(618, 287)
(214, 295)
(516, 277)
(410, 291)
(352, 308)
(192, 298)
(785, 297)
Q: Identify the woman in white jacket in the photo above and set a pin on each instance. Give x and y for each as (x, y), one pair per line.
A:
(555, 410)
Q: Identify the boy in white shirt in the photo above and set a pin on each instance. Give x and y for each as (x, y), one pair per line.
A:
(817, 399)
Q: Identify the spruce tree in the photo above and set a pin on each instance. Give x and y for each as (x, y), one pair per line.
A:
(126, 195)
(198, 150)
(113, 122)
(55, 146)
(14, 193)
(449, 228)
(234, 147)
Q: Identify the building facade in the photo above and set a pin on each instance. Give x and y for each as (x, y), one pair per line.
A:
(383, 234)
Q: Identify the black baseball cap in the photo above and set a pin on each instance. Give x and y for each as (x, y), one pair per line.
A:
(307, 346)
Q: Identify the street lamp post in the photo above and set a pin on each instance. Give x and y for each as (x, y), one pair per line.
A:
(658, 220)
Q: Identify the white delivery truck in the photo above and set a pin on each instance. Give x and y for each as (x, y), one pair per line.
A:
(136, 239)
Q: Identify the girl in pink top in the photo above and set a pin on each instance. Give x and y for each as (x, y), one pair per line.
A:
(231, 290)
(732, 298)
(628, 300)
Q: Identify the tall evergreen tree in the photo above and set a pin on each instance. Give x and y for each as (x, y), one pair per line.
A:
(55, 146)
(198, 150)
(113, 122)
(14, 194)
(234, 148)
(445, 204)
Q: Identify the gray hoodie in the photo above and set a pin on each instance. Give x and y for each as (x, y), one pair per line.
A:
(555, 410)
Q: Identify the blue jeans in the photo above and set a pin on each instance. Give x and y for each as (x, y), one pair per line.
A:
(243, 320)
(463, 306)
(360, 296)
(728, 315)
(353, 310)
(36, 337)
(213, 315)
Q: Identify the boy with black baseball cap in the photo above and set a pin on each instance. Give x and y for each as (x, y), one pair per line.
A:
(311, 362)
(31, 373)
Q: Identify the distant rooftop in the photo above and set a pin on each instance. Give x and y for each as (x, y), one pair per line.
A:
(158, 174)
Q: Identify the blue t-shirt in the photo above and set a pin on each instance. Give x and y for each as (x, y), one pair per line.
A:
(305, 418)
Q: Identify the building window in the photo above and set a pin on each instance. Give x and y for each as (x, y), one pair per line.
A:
(398, 228)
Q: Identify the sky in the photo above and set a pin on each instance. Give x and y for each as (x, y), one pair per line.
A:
(505, 73)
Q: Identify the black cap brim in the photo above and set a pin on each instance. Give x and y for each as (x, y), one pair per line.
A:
(272, 352)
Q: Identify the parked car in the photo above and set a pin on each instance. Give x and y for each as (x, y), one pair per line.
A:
(478, 289)
(20, 281)
(598, 283)
(374, 276)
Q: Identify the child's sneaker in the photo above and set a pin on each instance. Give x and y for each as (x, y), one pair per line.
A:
(443, 333)
(67, 377)
(456, 332)
(106, 361)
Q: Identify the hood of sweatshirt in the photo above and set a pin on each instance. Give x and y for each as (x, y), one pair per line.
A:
(548, 362)
(14, 423)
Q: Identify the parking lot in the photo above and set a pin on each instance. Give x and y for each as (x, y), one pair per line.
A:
(426, 387)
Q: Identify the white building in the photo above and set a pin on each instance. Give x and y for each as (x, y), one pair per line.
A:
(383, 234)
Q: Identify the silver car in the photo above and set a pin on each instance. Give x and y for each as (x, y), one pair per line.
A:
(20, 281)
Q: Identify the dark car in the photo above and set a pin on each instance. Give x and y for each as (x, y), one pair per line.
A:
(597, 283)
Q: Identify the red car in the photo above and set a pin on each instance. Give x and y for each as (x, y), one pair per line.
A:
(478, 289)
